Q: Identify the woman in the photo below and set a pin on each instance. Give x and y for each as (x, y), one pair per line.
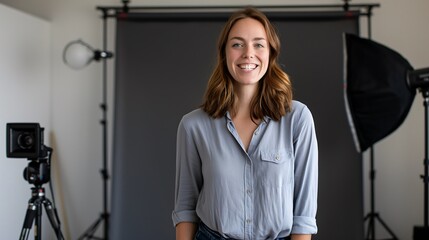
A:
(247, 159)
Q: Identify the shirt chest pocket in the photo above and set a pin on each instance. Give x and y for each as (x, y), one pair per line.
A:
(277, 168)
(276, 157)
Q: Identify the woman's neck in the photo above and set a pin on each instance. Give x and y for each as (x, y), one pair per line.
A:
(245, 95)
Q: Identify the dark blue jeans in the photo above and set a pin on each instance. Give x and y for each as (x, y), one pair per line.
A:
(205, 233)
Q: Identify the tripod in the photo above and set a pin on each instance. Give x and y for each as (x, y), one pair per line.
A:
(34, 212)
(373, 216)
(422, 232)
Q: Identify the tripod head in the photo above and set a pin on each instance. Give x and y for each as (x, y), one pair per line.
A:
(38, 172)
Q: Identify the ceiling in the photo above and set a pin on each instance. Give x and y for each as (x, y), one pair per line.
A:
(39, 8)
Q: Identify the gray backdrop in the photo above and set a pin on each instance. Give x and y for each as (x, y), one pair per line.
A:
(163, 62)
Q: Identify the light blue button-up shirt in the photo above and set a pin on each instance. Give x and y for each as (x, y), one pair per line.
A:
(267, 192)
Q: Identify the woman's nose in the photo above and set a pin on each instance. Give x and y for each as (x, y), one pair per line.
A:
(248, 52)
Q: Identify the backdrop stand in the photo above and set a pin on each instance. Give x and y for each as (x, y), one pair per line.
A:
(104, 216)
(119, 13)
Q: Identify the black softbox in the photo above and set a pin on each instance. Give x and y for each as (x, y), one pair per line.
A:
(376, 92)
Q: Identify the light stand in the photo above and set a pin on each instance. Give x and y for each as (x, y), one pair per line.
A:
(419, 79)
(372, 216)
(377, 100)
(422, 232)
(78, 54)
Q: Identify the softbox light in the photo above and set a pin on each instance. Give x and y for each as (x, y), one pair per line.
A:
(376, 92)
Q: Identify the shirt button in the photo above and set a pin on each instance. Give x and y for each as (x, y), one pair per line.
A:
(248, 221)
(249, 191)
(277, 157)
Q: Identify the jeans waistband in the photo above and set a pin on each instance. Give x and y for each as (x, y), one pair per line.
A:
(205, 233)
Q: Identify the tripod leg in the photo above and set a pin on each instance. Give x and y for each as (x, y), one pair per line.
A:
(386, 227)
(52, 219)
(372, 227)
(28, 221)
(38, 223)
(91, 230)
(370, 234)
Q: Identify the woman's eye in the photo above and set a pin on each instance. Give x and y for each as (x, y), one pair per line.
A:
(236, 45)
(258, 45)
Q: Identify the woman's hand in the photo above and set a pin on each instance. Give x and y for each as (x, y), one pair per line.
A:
(301, 237)
(186, 231)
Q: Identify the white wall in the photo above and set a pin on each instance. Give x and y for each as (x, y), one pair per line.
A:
(75, 113)
(25, 87)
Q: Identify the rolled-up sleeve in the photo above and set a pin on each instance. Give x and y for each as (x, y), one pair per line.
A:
(306, 175)
(188, 177)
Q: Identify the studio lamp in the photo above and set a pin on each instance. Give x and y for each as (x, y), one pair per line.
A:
(79, 54)
(377, 99)
(379, 89)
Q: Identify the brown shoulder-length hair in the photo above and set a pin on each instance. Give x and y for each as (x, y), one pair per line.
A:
(274, 95)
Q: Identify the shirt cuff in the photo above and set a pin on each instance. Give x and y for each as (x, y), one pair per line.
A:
(184, 216)
(304, 225)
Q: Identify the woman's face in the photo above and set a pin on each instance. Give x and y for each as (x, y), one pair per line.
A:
(247, 51)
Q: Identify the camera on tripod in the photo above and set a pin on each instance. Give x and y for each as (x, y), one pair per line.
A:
(25, 140)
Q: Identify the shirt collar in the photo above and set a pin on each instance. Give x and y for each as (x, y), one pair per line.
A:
(228, 117)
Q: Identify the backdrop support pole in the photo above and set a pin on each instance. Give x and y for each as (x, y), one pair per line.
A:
(105, 172)
(104, 216)
(372, 215)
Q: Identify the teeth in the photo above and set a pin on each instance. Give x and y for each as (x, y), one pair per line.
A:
(247, 66)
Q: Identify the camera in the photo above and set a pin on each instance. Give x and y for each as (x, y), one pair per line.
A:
(25, 140)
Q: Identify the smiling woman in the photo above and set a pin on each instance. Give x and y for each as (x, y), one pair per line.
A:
(159, 80)
(248, 124)
(263, 45)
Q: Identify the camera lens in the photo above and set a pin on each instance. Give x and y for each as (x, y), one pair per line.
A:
(25, 140)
